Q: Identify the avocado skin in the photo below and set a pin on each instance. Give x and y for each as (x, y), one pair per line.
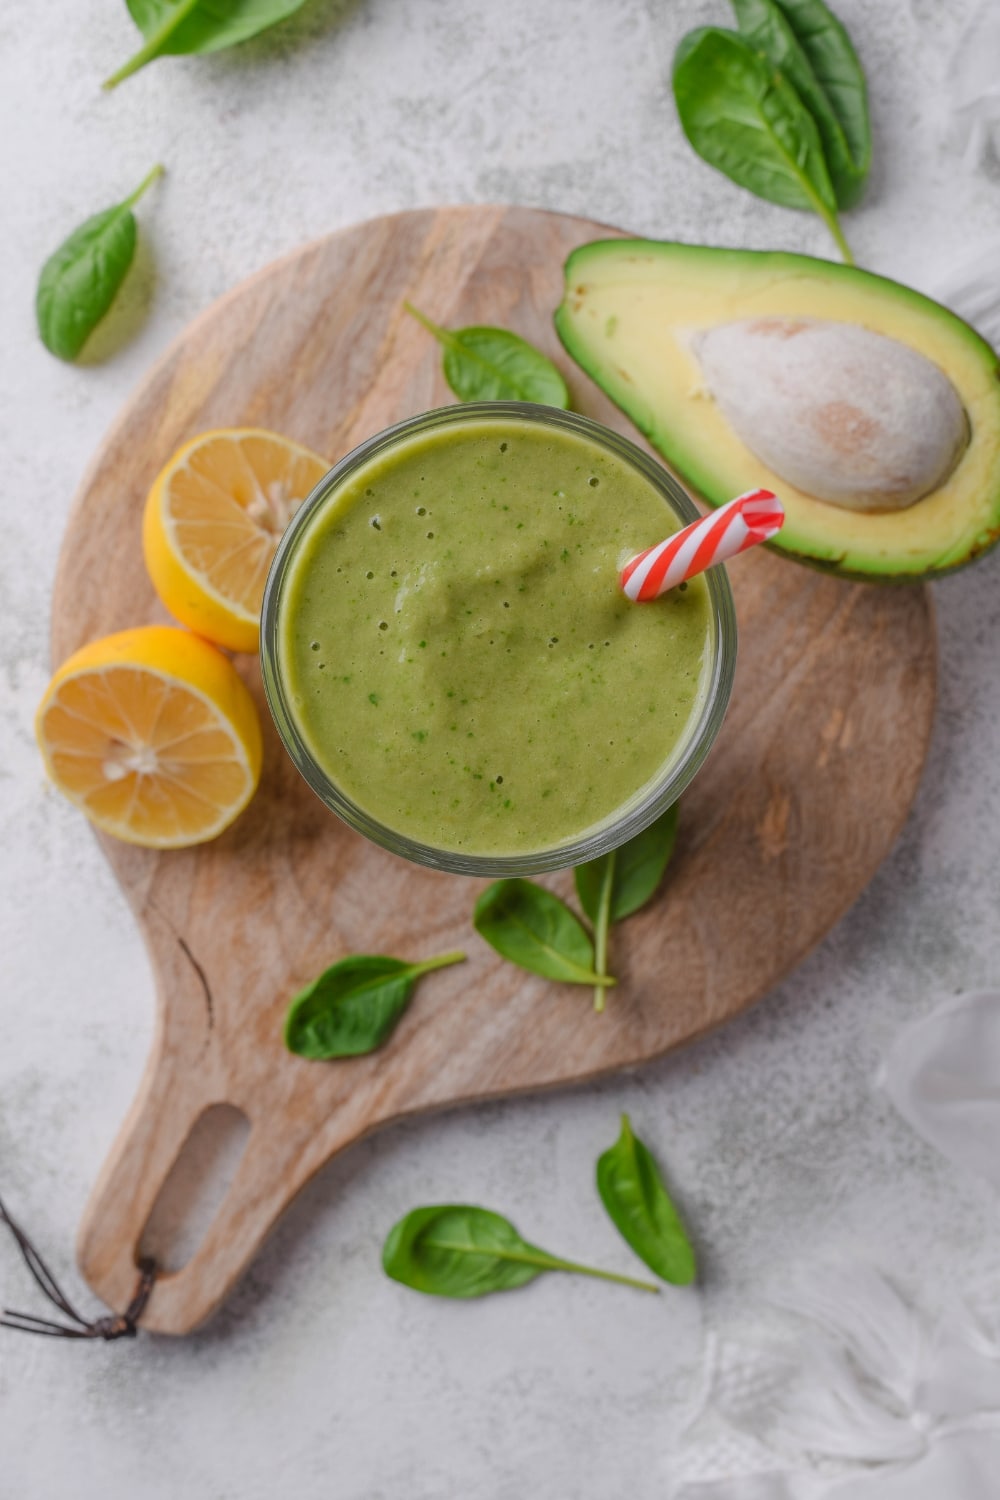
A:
(804, 539)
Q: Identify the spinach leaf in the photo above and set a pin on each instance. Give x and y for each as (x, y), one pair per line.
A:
(831, 54)
(534, 929)
(458, 1250)
(81, 279)
(618, 883)
(747, 120)
(636, 870)
(490, 364)
(195, 26)
(633, 1193)
(354, 1006)
(764, 25)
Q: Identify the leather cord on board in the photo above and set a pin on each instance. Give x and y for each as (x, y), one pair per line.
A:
(111, 1326)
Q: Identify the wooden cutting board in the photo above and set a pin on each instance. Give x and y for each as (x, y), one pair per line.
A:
(806, 790)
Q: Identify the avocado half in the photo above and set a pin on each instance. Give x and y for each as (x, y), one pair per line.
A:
(631, 314)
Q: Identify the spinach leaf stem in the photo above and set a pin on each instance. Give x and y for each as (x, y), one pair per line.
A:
(154, 44)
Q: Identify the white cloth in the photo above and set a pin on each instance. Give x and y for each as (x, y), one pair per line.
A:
(961, 1467)
(874, 1400)
(971, 93)
(969, 102)
(943, 1075)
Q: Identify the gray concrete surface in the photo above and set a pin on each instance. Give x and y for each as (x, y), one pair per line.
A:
(320, 1378)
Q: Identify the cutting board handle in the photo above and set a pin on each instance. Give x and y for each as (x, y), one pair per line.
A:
(172, 1099)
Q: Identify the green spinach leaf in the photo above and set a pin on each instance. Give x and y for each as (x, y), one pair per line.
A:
(81, 279)
(619, 883)
(534, 929)
(747, 120)
(458, 1250)
(765, 26)
(633, 1193)
(831, 54)
(636, 870)
(194, 26)
(490, 364)
(354, 1006)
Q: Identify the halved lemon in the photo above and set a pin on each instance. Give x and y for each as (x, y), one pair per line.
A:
(153, 734)
(212, 523)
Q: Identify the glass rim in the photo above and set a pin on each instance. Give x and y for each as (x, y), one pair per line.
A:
(649, 802)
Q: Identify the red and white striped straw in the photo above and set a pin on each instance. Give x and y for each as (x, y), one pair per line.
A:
(741, 523)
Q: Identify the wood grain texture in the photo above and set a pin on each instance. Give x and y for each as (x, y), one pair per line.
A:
(805, 792)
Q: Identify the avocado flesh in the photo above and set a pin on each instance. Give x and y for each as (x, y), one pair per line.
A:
(631, 313)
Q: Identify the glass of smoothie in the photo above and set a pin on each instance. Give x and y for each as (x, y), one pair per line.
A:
(450, 660)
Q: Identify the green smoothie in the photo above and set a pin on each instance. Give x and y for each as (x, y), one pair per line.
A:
(456, 651)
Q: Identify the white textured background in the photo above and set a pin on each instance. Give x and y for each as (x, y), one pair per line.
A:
(320, 1378)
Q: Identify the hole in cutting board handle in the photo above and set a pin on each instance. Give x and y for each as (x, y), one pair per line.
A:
(195, 1186)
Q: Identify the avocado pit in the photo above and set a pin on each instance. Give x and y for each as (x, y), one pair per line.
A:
(847, 415)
